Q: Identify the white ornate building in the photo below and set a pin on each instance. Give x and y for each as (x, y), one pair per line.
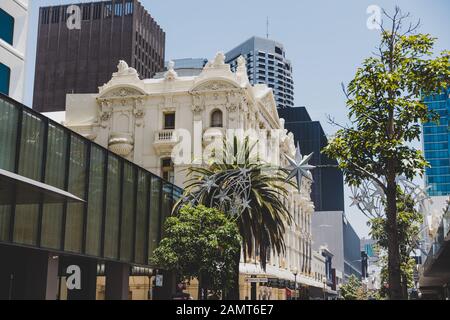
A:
(143, 120)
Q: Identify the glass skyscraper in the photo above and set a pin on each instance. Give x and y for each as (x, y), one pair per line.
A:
(436, 136)
(267, 64)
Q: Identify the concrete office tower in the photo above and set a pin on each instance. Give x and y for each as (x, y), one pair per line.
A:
(13, 41)
(266, 63)
(72, 60)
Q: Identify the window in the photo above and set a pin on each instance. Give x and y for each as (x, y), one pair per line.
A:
(217, 119)
(169, 121)
(6, 27)
(45, 14)
(128, 8)
(5, 75)
(97, 11)
(167, 169)
(87, 12)
(55, 15)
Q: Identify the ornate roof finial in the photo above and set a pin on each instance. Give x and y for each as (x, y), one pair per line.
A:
(171, 74)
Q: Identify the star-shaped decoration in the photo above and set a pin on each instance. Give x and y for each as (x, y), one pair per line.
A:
(222, 197)
(356, 200)
(209, 184)
(299, 167)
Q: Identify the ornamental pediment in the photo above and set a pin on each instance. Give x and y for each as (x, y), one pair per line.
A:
(214, 86)
(120, 93)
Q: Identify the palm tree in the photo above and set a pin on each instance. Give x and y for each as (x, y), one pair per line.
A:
(251, 192)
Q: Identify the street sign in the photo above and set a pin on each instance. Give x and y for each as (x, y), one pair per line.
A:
(256, 280)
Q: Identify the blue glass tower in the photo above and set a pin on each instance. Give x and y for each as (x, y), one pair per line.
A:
(436, 138)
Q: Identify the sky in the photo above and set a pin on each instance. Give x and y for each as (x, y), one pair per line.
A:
(326, 40)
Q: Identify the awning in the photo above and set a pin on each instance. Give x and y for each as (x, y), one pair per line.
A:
(279, 273)
(27, 191)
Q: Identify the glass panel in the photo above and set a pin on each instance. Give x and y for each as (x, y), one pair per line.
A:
(8, 135)
(55, 172)
(31, 145)
(141, 216)
(30, 165)
(5, 216)
(52, 219)
(26, 224)
(126, 231)
(112, 208)
(77, 182)
(155, 199)
(95, 203)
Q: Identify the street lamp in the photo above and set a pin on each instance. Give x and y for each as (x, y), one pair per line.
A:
(295, 272)
(324, 280)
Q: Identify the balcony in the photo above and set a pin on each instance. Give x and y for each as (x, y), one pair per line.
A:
(121, 143)
(165, 140)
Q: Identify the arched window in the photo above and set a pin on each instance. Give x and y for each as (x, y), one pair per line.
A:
(217, 119)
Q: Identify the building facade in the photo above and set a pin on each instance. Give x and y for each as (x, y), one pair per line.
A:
(332, 230)
(266, 63)
(79, 60)
(328, 187)
(436, 146)
(13, 41)
(69, 204)
(144, 121)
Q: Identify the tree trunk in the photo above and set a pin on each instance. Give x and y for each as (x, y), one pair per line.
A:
(233, 291)
(395, 287)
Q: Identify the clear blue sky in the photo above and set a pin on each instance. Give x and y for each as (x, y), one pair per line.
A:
(325, 39)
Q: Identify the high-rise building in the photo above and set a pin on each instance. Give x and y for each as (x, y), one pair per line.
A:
(79, 60)
(328, 187)
(436, 145)
(331, 229)
(266, 63)
(13, 41)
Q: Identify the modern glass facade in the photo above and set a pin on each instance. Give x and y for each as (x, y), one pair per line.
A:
(436, 145)
(6, 27)
(124, 205)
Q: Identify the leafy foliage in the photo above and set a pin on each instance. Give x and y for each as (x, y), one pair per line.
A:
(200, 242)
(353, 289)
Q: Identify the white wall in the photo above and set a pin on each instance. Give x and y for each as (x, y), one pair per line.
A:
(14, 56)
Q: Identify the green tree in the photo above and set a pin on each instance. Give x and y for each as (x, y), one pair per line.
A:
(353, 289)
(385, 111)
(250, 192)
(200, 243)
